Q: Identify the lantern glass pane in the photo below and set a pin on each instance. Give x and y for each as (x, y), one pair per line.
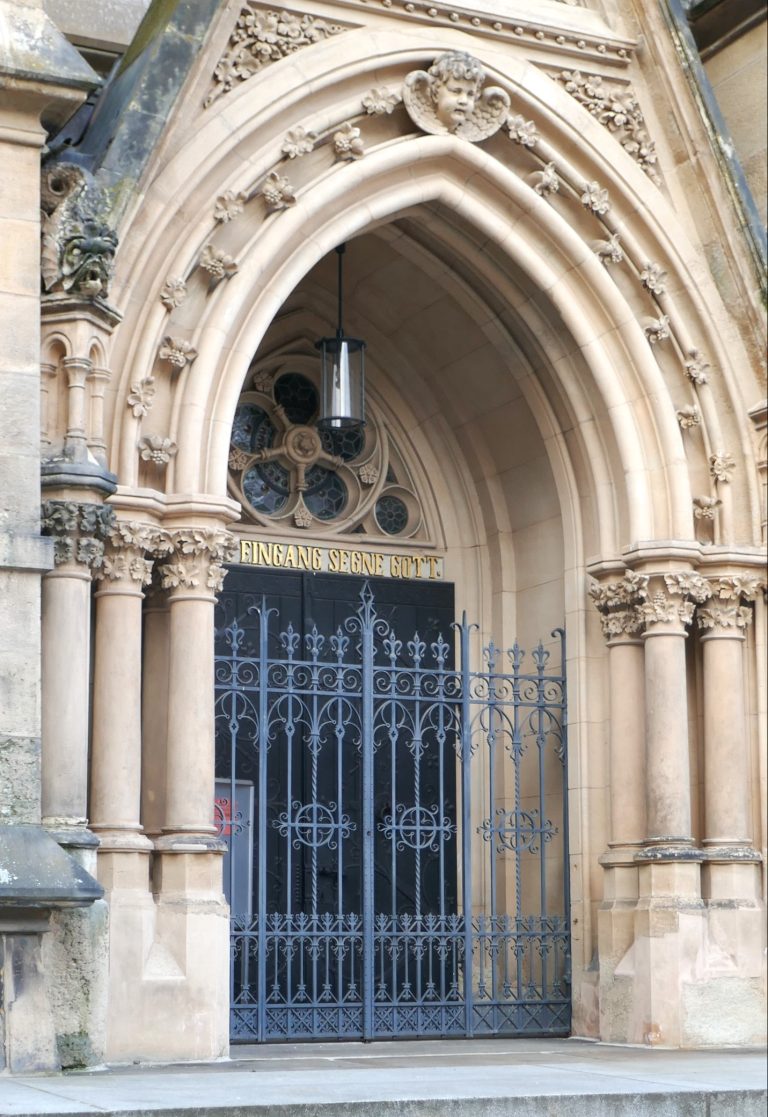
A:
(342, 403)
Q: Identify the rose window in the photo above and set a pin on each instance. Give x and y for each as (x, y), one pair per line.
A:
(286, 473)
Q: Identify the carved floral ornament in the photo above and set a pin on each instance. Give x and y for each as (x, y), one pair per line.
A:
(261, 37)
(196, 559)
(636, 601)
(78, 530)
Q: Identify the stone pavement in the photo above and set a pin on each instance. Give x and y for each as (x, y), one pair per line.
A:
(460, 1078)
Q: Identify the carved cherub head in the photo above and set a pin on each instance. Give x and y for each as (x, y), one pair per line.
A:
(455, 80)
(449, 98)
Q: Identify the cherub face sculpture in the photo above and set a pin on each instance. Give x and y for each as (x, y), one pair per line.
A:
(449, 98)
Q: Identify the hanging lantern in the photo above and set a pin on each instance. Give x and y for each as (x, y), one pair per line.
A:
(342, 377)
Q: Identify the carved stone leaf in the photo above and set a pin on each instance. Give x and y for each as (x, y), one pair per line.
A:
(657, 329)
(595, 198)
(545, 181)
(652, 278)
(617, 109)
(277, 192)
(177, 351)
(609, 251)
(141, 396)
(688, 417)
(348, 142)
(217, 262)
(522, 131)
(228, 206)
(174, 293)
(696, 368)
(155, 448)
(379, 102)
(298, 142)
(262, 37)
(704, 507)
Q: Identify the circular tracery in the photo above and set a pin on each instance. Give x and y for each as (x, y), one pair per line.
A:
(285, 472)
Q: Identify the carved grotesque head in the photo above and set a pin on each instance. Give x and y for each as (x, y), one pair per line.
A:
(455, 80)
(86, 260)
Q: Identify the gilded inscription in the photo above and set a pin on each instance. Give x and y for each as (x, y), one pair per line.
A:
(340, 560)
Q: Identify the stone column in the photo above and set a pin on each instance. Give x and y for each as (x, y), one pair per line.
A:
(668, 927)
(78, 531)
(731, 860)
(154, 708)
(618, 604)
(192, 576)
(667, 610)
(116, 748)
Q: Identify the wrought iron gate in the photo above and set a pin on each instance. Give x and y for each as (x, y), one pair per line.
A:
(407, 820)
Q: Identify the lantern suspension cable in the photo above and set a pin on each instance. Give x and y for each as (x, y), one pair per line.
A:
(342, 375)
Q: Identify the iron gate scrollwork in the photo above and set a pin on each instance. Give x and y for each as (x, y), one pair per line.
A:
(409, 828)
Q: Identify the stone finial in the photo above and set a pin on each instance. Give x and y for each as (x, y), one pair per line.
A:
(449, 99)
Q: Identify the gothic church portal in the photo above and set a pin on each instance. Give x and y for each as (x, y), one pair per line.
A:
(253, 625)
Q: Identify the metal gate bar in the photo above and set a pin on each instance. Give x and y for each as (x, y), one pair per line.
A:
(387, 785)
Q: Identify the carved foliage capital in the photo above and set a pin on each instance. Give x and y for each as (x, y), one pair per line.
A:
(127, 547)
(196, 559)
(619, 604)
(78, 531)
(727, 602)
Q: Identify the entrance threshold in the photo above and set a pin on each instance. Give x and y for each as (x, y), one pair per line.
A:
(460, 1078)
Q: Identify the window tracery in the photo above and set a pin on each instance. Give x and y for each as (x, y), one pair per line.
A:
(287, 473)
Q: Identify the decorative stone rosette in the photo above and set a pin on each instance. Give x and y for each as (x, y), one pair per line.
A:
(449, 99)
(78, 531)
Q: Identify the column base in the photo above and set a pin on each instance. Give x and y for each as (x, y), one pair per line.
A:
(169, 958)
(680, 969)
